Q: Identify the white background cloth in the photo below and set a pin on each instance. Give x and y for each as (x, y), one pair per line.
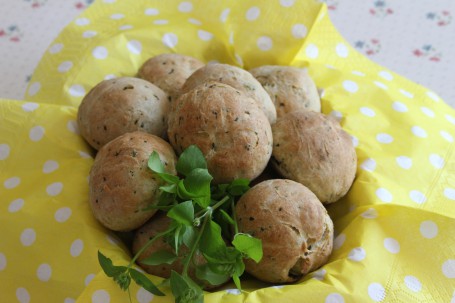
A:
(413, 38)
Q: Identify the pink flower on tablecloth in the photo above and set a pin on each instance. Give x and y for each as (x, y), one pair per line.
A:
(380, 9)
(442, 18)
(36, 3)
(369, 47)
(12, 33)
(331, 4)
(429, 52)
(83, 4)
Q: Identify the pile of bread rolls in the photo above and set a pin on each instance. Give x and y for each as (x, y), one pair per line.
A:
(246, 123)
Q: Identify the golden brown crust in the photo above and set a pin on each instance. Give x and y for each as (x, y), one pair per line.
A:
(295, 229)
(230, 129)
(290, 88)
(117, 106)
(236, 77)
(121, 184)
(314, 150)
(169, 72)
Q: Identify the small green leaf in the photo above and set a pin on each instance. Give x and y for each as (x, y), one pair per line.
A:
(248, 245)
(123, 280)
(172, 179)
(212, 242)
(190, 159)
(145, 282)
(160, 257)
(110, 269)
(189, 236)
(237, 281)
(238, 187)
(169, 188)
(204, 272)
(182, 213)
(155, 164)
(197, 182)
(185, 290)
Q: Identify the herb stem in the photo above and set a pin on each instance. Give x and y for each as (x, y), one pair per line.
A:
(195, 245)
(221, 202)
(234, 216)
(143, 248)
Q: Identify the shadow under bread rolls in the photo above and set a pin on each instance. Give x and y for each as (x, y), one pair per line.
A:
(313, 149)
(290, 88)
(121, 185)
(293, 225)
(236, 77)
(159, 223)
(117, 106)
(229, 128)
(169, 72)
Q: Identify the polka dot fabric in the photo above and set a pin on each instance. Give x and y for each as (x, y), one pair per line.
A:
(394, 229)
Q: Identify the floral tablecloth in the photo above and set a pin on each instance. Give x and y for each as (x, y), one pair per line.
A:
(413, 38)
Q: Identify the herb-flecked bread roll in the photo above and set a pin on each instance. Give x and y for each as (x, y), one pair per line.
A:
(290, 88)
(313, 149)
(169, 72)
(158, 224)
(295, 229)
(121, 184)
(236, 77)
(228, 127)
(117, 106)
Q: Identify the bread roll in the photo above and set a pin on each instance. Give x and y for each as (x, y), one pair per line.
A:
(117, 106)
(313, 149)
(230, 129)
(295, 229)
(236, 77)
(121, 184)
(290, 88)
(169, 72)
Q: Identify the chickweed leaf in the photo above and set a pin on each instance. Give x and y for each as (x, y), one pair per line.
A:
(110, 269)
(248, 245)
(123, 280)
(155, 164)
(190, 159)
(238, 187)
(170, 188)
(211, 241)
(189, 236)
(197, 182)
(160, 257)
(185, 290)
(145, 282)
(182, 213)
(204, 272)
(236, 280)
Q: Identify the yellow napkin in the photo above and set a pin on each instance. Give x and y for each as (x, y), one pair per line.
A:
(395, 230)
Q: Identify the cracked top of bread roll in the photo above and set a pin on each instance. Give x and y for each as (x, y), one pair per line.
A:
(313, 149)
(228, 127)
(121, 184)
(290, 88)
(117, 106)
(236, 77)
(295, 229)
(169, 72)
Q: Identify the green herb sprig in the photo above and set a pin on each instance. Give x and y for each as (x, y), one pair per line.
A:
(201, 214)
